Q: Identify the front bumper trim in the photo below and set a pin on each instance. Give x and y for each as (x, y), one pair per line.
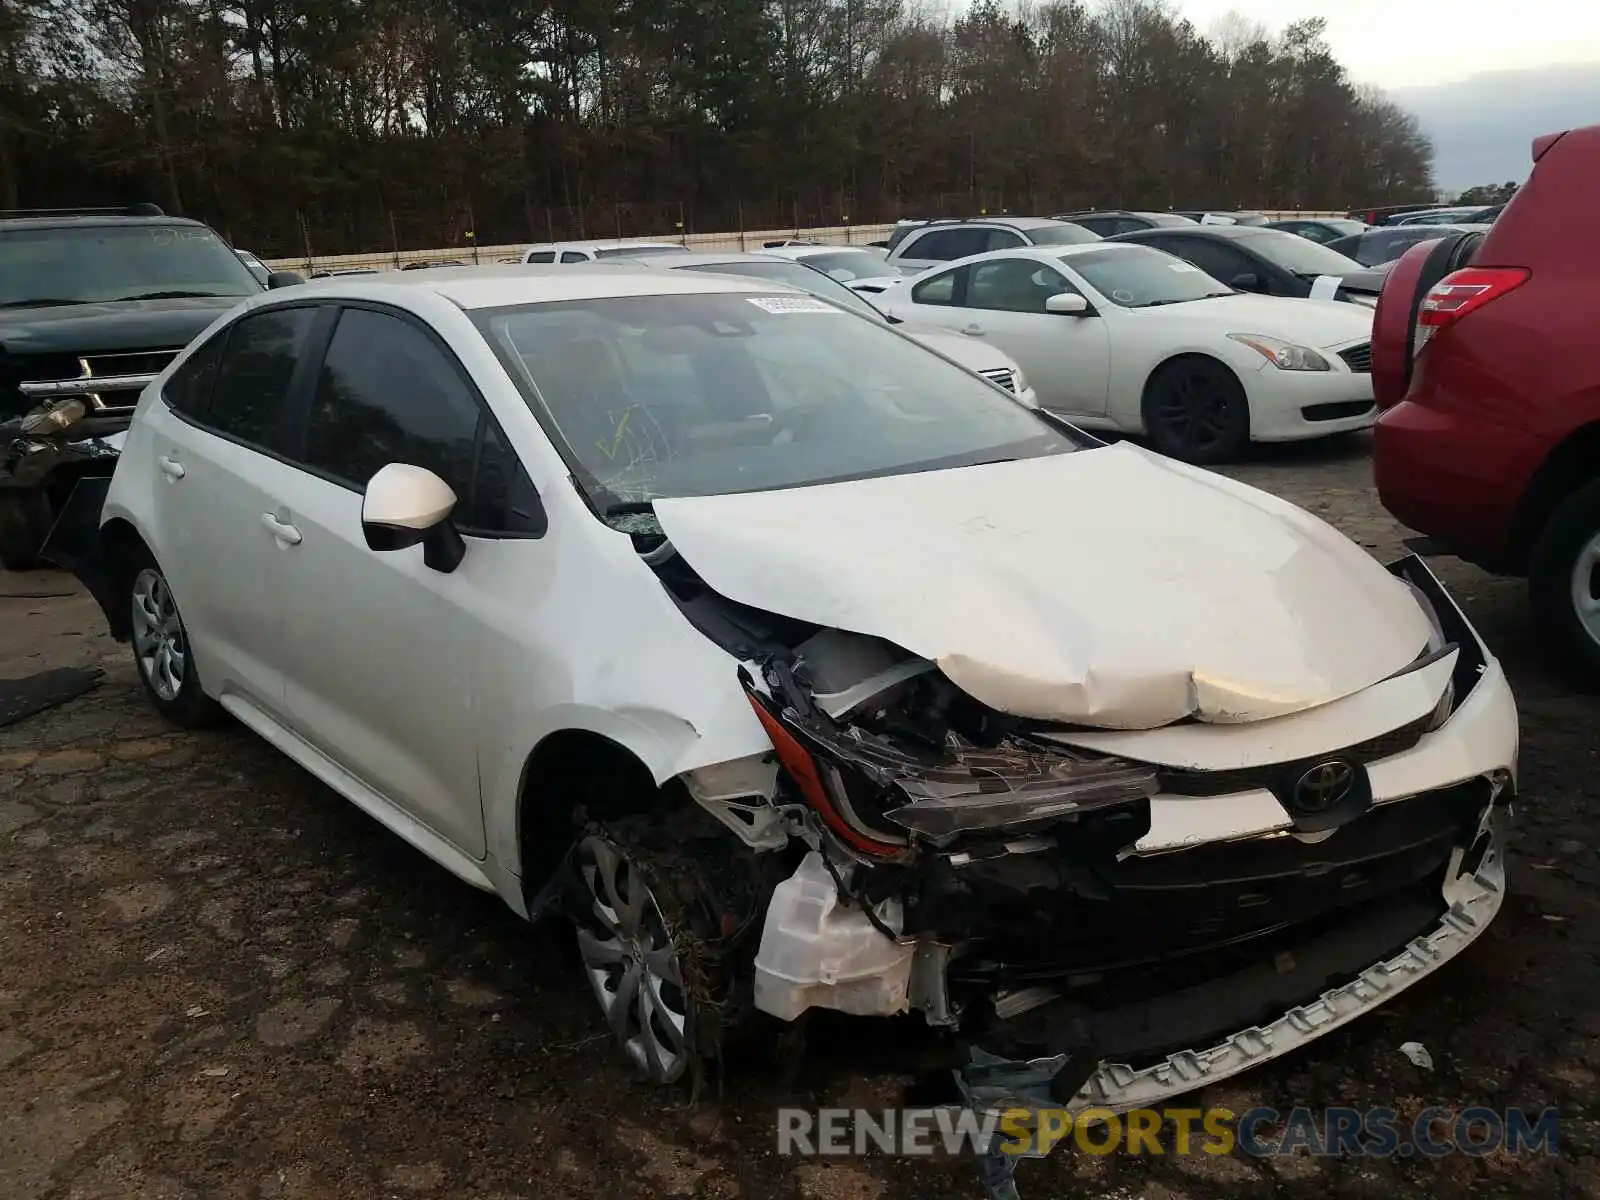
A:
(1474, 901)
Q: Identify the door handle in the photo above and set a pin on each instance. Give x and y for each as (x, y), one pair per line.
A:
(170, 467)
(282, 530)
(974, 331)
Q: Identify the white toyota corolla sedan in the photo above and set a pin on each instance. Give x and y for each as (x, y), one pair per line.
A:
(1132, 339)
(799, 668)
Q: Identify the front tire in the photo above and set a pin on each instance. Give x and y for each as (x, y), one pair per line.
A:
(1195, 410)
(1564, 580)
(161, 651)
(630, 956)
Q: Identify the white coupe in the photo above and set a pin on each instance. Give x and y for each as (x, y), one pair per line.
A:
(1131, 339)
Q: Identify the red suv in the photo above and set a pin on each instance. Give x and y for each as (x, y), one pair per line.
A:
(1486, 366)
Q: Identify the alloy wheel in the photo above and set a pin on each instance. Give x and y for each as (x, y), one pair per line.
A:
(159, 642)
(1585, 584)
(632, 963)
(1194, 410)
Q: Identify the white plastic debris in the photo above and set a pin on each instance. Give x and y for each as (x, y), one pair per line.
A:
(1417, 1054)
(818, 951)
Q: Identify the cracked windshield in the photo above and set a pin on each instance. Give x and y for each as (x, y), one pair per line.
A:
(702, 395)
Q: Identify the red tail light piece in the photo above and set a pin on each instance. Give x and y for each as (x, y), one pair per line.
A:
(1463, 292)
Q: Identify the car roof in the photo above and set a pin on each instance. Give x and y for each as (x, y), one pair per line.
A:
(691, 258)
(597, 244)
(102, 221)
(501, 286)
(1229, 232)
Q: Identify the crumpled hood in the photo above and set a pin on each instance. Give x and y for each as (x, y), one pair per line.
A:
(119, 325)
(1108, 587)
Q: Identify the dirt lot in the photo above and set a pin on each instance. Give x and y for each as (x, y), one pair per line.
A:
(219, 980)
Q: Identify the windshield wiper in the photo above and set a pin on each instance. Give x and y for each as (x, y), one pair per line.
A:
(1160, 303)
(40, 302)
(177, 295)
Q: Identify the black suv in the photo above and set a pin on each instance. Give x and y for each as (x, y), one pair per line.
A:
(93, 305)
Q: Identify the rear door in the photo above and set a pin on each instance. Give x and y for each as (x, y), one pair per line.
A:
(218, 444)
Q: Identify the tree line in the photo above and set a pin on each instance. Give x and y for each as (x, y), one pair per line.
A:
(342, 126)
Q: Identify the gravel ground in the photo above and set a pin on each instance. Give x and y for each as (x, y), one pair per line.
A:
(219, 980)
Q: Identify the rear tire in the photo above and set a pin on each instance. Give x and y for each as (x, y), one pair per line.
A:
(25, 521)
(1195, 410)
(1564, 580)
(161, 650)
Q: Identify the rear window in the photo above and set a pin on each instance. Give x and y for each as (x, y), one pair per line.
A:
(1298, 255)
(1061, 234)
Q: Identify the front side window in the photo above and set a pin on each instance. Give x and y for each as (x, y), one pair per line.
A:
(97, 264)
(1142, 277)
(386, 393)
(1216, 258)
(655, 396)
(1013, 285)
(574, 256)
(257, 367)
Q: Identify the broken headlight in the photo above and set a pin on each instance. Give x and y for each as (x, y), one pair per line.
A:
(870, 787)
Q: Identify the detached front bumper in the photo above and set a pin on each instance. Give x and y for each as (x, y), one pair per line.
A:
(1472, 895)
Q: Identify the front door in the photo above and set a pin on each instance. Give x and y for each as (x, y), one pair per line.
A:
(393, 697)
(1066, 358)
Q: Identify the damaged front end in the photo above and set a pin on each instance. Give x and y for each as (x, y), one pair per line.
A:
(972, 866)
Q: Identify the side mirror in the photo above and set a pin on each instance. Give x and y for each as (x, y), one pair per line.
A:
(404, 505)
(1068, 304)
(1248, 282)
(280, 279)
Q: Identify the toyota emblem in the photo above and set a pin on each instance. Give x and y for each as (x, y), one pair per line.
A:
(1323, 786)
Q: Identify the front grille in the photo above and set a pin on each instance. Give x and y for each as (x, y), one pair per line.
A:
(1358, 358)
(1080, 915)
(1222, 783)
(1004, 376)
(124, 372)
(1336, 411)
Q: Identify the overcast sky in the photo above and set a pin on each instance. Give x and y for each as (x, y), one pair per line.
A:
(1407, 43)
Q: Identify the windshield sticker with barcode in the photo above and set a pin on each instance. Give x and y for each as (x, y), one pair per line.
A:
(792, 304)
